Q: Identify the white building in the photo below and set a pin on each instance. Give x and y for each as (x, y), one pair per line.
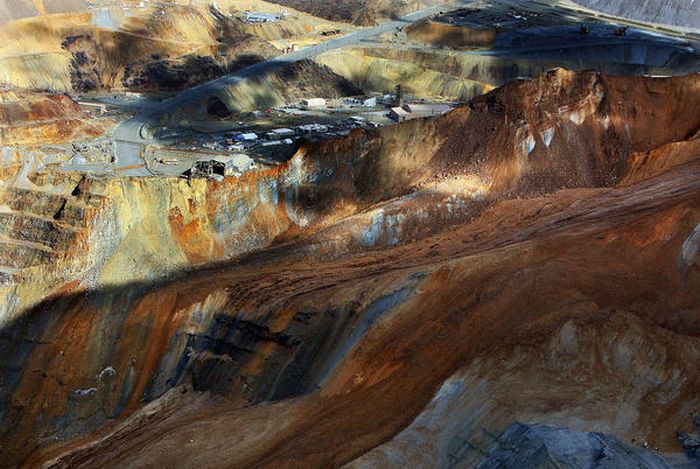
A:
(428, 109)
(92, 108)
(253, 17)
(398, 114)
(280, 133)
(249, 137)
(243, 163)
(220, 166)
(275, 143)
(314, 128)
(314, 103)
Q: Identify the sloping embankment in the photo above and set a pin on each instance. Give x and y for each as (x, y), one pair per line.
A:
(683, 13)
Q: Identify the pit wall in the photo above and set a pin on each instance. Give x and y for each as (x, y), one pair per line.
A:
(32, 118)
(248, 95)
(454, 75)
(287, 85)
(446, 35)
(36, 72)
(387, 185)
(166, 226)
(32, 55)
(369, 70)
(150, 229)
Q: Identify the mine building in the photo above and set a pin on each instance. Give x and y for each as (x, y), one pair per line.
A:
(427, 109)
(398, 114)
(253, 17)
(280, 133)
(220, 166)
(247, 137)
(313, 103)
(94, 109)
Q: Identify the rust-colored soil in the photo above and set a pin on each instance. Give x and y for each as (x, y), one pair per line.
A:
(30, 118)
(455, 37)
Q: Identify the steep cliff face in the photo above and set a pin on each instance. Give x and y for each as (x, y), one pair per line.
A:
(48, 236)
(390, 291)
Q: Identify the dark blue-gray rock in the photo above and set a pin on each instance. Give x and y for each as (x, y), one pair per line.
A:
(540, 446)
(691, 443)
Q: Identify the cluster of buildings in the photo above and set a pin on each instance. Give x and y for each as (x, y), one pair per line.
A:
(244, 140)
(273, 143)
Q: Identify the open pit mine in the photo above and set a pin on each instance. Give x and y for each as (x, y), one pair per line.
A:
(311, 234)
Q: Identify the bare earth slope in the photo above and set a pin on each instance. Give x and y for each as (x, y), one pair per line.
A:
(487, 311)
(360, 12)
(684, 13)
(145, 47)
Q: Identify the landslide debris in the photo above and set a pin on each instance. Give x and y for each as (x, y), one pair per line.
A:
(691, 441)
(381, 333)
(565, 129)
(384, 282)
(85, 72)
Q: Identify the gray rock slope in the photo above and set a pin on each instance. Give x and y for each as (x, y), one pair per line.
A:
(683, 13)
(540, 446)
